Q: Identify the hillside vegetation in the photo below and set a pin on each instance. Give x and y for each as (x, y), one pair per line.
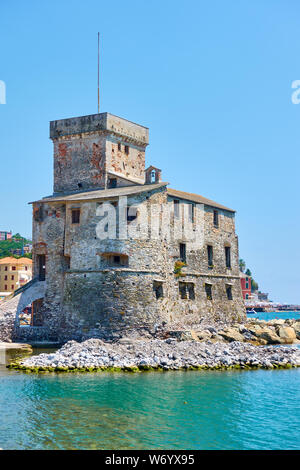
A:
(7, 246)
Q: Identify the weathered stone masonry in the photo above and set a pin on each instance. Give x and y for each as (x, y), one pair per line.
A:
(99, 287)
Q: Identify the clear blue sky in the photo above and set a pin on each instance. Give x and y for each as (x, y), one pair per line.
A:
(212, 80)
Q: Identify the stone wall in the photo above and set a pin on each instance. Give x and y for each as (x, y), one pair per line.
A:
(79, 164)
(86, 297)
(87, 148)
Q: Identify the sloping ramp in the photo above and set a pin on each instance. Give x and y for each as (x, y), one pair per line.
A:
(11, 308)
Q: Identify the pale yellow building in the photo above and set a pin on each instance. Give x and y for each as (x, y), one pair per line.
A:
(14, 273)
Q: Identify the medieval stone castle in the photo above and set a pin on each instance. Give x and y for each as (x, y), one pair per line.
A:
(94, 285)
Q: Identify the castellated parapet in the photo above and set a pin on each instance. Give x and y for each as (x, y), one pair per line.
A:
(93, 151)
(104, 285)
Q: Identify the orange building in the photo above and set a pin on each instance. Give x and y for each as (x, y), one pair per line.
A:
(14, 273)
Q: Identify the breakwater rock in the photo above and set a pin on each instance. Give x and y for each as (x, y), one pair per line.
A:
(258, 332)
(169, 354)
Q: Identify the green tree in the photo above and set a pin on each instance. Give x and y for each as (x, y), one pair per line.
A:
(242, 265)
(254, 284)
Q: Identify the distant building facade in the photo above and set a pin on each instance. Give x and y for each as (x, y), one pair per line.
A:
(262, 296)
(14, 273)
(5, 235)
(27, 249)
(246, 286)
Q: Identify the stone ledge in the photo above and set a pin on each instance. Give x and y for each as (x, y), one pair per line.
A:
(129, 270)
(113, 269)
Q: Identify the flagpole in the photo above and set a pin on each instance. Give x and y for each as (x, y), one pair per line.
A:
(98, 74)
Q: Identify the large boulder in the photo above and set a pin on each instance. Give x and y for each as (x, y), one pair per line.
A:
(203, 335)
(263, 333)
(296, 327)
(231, 334)
(287, 334)
(182, 335)
(255, 330)
(276, 322)
(269, 335)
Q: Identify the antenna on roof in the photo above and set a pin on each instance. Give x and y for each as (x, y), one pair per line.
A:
(98, 73)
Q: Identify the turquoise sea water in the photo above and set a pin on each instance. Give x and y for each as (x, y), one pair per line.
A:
(272, 315)
(151, 410)
(257, 409)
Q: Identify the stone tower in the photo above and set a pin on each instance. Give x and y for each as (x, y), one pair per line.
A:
(97, 151)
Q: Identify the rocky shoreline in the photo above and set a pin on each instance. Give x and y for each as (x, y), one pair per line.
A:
(169, 354)
(258, 332)
(240, 346)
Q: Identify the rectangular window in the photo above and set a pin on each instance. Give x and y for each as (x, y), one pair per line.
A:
(13, 268)
(229, 292)
(208, 290)
(75, 216)
(187, 290)
(247, 285)
(36, 316)
(5, 278)
(210, 256)
(182, 290)
(131, 213)
(119, 147)
(176, 208)
(182, 249)
(38, 213)
(228, 257)
(126, 149)
(191, 290)
(115, 259)
(12, 278)
(112, 182)
(5, 287)
(192, 213)
(12, 287)
(41, 262)
(216, 218)
(158, 289)
(5, 269)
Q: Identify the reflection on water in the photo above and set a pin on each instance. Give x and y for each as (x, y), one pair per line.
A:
(175, 410)
(11, 355)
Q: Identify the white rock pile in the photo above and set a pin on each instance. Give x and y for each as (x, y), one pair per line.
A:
(169, 354)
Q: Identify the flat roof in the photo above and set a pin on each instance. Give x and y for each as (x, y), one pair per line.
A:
(100, 122)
